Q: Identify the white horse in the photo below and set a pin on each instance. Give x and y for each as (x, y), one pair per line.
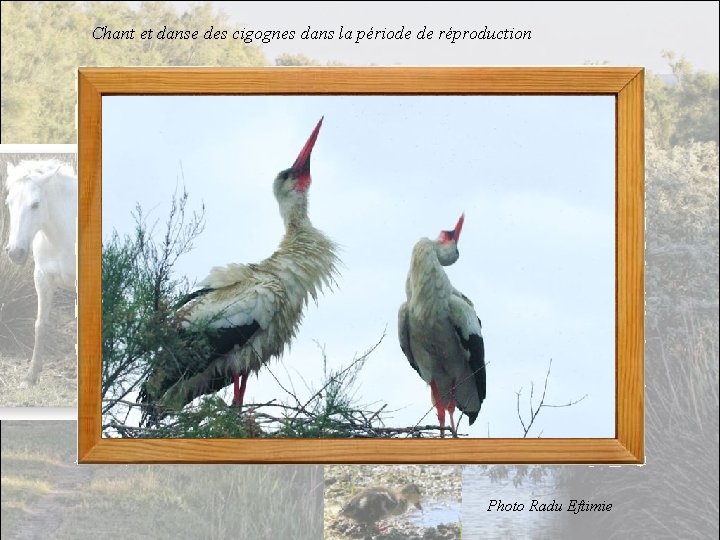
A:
(42, 202)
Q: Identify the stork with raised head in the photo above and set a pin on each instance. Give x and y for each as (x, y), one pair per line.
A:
(249, 313)
(439, 331)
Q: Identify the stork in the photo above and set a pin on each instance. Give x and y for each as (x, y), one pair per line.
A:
(439, 331)
(248, 314)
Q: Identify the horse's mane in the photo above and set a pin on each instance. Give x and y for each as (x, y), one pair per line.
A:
(28, 170)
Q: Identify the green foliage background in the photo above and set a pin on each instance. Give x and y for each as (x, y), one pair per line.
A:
(43, 44)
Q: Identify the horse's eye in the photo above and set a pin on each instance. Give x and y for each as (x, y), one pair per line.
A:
(35, 205)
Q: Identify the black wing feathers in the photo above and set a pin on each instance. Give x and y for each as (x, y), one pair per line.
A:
(192, 296)
(411, 359)
(210, 345)
(222, 340)
(201, 345)
(404, 337)
(476, 347)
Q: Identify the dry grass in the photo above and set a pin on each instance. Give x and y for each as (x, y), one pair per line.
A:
(160, 501)
(29, 456)
(57, 386)
(187, 501)
(17, 306)
(23, 484)
(38, 441)
(33, 453)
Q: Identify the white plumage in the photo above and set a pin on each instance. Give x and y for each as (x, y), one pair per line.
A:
(251, 312)
(440, 332)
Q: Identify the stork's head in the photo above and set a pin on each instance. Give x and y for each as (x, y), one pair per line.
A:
(446, 244)
(291, 185)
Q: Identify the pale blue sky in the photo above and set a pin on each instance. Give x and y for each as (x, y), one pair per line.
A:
(534, 176)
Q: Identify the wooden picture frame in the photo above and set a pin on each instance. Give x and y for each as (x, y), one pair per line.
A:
(625, 84)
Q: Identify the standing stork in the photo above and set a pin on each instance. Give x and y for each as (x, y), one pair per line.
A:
(439, 331)
(249, 313)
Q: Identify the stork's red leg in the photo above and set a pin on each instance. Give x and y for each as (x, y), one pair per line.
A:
(237, 399)
(439, 406)
(240, 389)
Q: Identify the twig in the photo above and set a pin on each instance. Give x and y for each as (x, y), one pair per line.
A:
(344, 371)
(534, 411)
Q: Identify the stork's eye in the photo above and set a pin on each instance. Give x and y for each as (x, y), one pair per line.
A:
(446, 236)
(35, 205)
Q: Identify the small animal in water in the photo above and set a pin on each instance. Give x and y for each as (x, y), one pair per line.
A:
(374, 504)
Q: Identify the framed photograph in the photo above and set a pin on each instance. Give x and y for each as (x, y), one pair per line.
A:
(361, 265)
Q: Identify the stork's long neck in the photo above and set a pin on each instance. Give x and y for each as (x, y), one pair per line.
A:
(294, 211)
(306, 260)
(427, 282)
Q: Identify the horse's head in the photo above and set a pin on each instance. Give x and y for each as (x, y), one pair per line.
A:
(26, 205)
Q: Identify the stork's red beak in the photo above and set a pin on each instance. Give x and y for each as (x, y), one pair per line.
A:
(458, 227)
(454, 235)
(301, 167)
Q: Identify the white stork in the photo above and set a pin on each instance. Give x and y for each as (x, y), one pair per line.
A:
(249, 313)
(439, 331)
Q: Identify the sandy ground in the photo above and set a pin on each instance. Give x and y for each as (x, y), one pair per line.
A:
(57, 384)
(440, 485)
(56, 387)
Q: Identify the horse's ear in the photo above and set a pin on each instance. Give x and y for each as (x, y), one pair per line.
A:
(46, 176)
